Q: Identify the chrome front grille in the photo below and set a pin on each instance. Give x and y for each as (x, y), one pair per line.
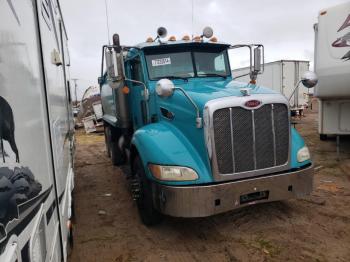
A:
(247, 140)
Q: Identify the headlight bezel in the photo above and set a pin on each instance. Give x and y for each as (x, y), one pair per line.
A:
(171, 173)
(303, 154)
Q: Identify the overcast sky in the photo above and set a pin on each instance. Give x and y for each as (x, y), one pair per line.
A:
(285, 27)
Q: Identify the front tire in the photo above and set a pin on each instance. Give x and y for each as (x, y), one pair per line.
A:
(148, 214)
(116, 154)
(107, 141)
(113, 150)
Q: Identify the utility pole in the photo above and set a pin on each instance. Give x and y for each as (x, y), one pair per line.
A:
(75, 90)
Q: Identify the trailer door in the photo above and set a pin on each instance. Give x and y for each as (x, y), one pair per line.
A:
(52, 46)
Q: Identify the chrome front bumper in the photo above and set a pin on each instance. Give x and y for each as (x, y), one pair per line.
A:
(202, 201)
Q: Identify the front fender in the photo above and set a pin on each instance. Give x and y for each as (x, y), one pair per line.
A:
(297, 144)
(162, 143)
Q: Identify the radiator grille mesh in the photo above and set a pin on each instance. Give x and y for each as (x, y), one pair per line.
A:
(247, 140)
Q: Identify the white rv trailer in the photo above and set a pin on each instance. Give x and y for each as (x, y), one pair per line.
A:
(332, 65)
(36, 133)
(282, 76)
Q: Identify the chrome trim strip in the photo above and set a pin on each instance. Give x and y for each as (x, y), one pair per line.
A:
(232, 146)
(273, 134)
(232, 101)
(254, 139)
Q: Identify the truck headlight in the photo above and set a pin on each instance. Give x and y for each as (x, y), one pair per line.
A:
(303, 154)
(173, 173)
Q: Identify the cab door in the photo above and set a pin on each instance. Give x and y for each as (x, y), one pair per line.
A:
(139, 105)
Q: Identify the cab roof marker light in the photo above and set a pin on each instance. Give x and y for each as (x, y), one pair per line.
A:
(172, 38)
(186, 38)
(149, 40)
(213, 39)
(197, 39)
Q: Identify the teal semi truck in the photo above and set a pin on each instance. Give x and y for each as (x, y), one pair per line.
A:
(198, 142)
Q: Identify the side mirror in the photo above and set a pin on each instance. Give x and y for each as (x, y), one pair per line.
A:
(257, 60)
(309, 79)
(111, 65)
(115, 61)
(165, 88)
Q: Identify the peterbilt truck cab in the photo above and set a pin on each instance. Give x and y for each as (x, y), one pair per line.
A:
(198, 142)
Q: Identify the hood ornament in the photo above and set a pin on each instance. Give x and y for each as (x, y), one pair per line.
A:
(245, 91)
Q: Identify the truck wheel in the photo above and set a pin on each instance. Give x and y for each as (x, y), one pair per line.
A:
(113, 150)
(116, 154)
(108, 141)
(148, 214)
(323, 137)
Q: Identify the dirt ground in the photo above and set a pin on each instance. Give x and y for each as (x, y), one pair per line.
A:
(316, 228)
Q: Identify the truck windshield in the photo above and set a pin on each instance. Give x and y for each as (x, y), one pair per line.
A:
(188, 64)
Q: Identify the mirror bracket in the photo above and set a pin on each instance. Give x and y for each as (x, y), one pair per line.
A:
(309, 80)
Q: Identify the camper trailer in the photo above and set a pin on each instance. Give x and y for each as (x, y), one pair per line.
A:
(332, 64)
(36, 133)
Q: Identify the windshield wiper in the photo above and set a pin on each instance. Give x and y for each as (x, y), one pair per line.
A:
(213, 74)
(173, 77)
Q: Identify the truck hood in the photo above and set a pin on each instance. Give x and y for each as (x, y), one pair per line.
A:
(203, 91)
(179, 116)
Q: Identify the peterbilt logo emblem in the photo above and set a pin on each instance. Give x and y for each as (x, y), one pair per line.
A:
(252, 103)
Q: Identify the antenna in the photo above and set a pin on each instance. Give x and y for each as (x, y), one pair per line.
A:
(192, 16)
(107, 20)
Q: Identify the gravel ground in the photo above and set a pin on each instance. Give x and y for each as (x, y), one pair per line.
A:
(316, 228)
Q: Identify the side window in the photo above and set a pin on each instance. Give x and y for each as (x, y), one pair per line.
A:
(136, 70)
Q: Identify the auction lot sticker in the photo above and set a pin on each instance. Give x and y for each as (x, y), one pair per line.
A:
(161, 61)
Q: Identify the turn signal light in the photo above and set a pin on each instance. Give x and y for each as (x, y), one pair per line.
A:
(126, 90)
